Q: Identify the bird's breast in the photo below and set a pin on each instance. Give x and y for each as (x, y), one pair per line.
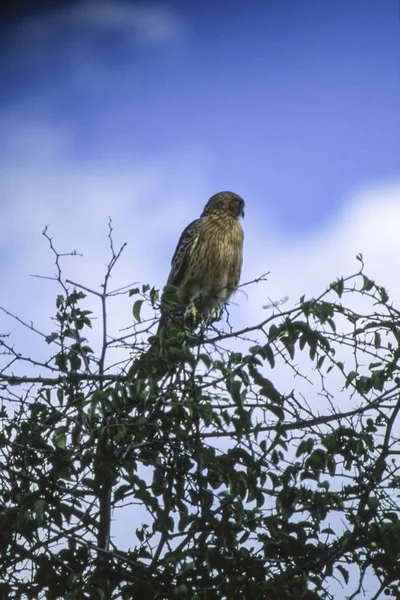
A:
(216, 264)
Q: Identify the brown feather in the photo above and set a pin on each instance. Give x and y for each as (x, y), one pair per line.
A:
(207, 262)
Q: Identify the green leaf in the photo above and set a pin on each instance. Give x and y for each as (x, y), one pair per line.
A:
(234, 390)
(289, 345)
(269, 390)
(182, 590)
(368, 284)
(170, 289)
(50, 338)
(39, 507)
(269, 355)
(377, 339)
(60, 438)
(338, 287)
(350, 377)
(273, 333)
(206, 359)
(121, 492)
(60, 396)
(136, 309)
(317, 460)
(154, 295)
(384, 295)
(344, 572)
(304, 447)
(61, 361)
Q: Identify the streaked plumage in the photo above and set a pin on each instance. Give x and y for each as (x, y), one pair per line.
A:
(207, 262)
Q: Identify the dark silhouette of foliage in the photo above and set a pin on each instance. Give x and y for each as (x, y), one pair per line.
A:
(251, 464)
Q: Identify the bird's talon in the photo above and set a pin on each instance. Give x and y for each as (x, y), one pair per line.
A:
(192, 315)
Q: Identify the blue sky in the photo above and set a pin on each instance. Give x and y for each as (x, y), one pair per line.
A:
(289, 103)
(142, 111)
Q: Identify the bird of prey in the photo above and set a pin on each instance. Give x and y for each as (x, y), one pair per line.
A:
(205, 271)
(207, 262)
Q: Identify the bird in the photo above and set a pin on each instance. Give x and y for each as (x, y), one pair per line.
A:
(205, 271)
(207, 263)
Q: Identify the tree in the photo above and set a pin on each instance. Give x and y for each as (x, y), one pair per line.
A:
(264, 471)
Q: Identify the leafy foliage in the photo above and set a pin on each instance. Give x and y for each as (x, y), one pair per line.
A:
(259, 463)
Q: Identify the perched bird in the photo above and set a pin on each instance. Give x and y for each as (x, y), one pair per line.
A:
(205, 271)
(207, 262)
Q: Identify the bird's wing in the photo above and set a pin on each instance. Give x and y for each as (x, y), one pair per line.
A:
(182, 255)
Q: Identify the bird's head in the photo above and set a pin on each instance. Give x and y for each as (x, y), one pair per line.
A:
(225, 202)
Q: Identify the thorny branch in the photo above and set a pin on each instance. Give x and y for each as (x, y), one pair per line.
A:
(208, 455)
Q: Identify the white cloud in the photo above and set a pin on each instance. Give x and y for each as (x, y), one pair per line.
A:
(150, 207)
(40, 185)
(366, 223)
(308, 263)
(150, 203)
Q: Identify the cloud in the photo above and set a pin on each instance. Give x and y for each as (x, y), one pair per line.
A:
(306, 263)
(47, 179)
(43, 185)
(150, 206)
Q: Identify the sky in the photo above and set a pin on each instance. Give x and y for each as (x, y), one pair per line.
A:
(141, 112)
